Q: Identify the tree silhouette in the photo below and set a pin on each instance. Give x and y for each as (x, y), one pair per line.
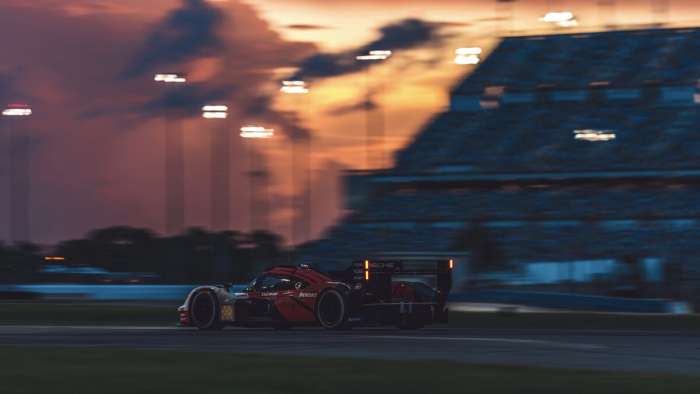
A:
(195, 256)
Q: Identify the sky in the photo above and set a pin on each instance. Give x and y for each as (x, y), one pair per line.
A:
(97, 134)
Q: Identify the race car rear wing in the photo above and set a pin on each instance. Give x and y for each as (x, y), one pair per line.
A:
(366, 269)
(377, 275)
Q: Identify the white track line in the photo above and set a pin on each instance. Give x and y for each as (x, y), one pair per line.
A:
(9, 329)
(565, 345)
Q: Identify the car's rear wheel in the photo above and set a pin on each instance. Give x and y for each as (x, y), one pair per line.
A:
(331, 310)
(204, 311)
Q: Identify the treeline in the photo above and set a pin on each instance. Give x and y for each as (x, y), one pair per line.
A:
(197, 255)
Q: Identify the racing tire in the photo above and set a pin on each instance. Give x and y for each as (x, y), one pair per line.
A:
(332, 310)
(205, 311)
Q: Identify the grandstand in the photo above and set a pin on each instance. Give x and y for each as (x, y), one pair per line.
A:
(563, 147)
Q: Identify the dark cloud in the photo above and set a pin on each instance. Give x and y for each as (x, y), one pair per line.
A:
(453, 24)
(302, 26)
(187, 32)
(203, 41)
(190, 33)
(405, 34)
(186, 100)
(261, 107)
(89, 116)
(368, 104)
(492, 19)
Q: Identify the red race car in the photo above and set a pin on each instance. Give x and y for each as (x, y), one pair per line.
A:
(407, 293)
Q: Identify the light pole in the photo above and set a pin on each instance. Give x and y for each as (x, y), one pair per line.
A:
(174, 164)
(252, 133)
(220, 160)
(376, 55)
(19, 175)
(297, 88)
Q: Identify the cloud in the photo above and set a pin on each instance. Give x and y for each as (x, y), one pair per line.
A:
(492, 19)
(191, 33)
(302, 26)
(454, 24)
(197, 31)
(404, 34)
(261, 107)
(100, 157)
(367, 104)
(187, 32)
(187, 100)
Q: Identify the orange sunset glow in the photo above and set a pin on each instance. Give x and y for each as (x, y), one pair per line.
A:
(96, 135)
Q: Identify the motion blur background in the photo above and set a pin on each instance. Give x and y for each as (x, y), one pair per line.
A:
(553, 153)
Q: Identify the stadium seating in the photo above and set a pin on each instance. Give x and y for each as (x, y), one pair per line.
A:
(558, 203)
(565, 219)
(540, 137)
(624, 58)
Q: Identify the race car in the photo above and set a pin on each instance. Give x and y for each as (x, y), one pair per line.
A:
(403, 293)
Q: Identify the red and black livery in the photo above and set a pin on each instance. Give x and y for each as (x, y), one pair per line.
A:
(405, 293)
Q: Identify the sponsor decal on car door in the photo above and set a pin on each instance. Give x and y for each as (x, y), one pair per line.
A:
(293, 303)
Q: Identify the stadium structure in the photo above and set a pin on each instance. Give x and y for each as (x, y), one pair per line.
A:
(562, 147)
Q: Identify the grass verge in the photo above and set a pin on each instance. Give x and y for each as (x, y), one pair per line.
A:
(575, 321)
(87, 313)
(91, 313)
(105, 371)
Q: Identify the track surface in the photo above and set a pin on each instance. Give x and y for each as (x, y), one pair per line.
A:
(608, 350)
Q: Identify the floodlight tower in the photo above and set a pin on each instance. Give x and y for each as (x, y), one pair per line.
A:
(220, 162)
(19, 173)
(299, 87)
(253, 133)
(376, 55)
(467, 56)
(562, 19)
(174, 163)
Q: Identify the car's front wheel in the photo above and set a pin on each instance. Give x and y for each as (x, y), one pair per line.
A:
(331, 310)
(204, 311)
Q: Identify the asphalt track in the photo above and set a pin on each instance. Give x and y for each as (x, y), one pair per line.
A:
(606, 350)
